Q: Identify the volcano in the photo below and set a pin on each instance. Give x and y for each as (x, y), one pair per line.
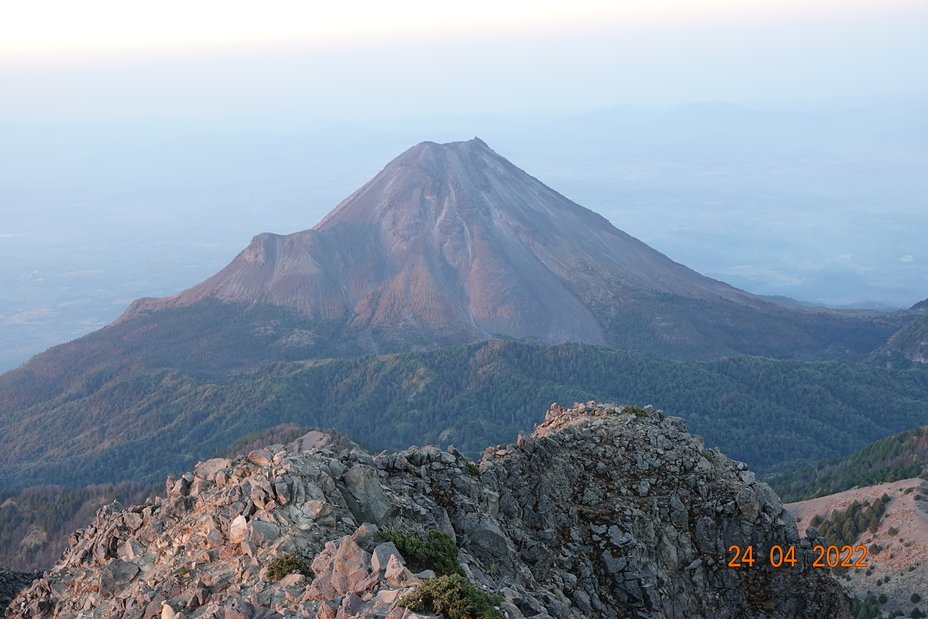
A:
(448, 244)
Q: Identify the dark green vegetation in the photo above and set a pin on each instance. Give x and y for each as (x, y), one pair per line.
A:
(450, 594)
(35, 523)
(902, 456)
(868, 608)
(286, 565)
(436, 551)
(842, 528)
(121, 419)
(682, 328)
(453, 596)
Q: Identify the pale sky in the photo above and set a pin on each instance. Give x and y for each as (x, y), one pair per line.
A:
(64, 26)
(97, 60)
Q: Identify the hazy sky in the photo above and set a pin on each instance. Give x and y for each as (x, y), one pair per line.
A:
(95, 60)
(203, 123)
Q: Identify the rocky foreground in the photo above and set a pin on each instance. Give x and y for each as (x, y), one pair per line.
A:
(12, 582)
(604, 511)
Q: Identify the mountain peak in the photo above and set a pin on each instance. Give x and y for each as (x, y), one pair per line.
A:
(451, 243)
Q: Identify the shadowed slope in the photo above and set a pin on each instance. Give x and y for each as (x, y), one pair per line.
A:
(907, 346)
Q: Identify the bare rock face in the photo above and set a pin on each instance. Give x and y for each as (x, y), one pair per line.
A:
(449, 244)
(603, 512)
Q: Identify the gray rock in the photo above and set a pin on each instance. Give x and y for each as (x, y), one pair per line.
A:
(382, 554)
(207, 470)
(114, 575)
(261, 457)
(367, 500)
(239, 609)
(628, 515)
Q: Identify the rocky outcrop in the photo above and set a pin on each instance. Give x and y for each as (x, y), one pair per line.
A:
(11, 583)
(602, 512)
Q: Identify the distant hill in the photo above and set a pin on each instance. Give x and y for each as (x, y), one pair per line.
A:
(901, 456)
(890, 520)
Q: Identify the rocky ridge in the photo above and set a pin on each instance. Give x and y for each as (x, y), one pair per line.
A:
(603, 511)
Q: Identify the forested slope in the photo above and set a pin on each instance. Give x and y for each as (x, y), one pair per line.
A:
(144, 424)
(901, 456)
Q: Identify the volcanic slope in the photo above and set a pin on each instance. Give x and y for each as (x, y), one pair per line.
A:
(451, 243)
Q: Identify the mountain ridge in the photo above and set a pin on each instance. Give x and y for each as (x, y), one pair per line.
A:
(603, 512)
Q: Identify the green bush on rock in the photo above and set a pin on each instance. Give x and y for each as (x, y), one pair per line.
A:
(437, 552)
(453, 596)
(286, 565)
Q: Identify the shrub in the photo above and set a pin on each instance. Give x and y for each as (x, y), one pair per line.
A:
(437, 552)
(472, 469)
(842, 528)
(917, 613)
(892, 530)
(916, 598)
(867, 608)
(453, 596)
(286, 565)
(637, 412)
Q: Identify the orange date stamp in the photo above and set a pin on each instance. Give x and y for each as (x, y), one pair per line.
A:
(831, 556)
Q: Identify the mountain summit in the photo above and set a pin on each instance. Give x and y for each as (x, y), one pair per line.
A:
(451, 243)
